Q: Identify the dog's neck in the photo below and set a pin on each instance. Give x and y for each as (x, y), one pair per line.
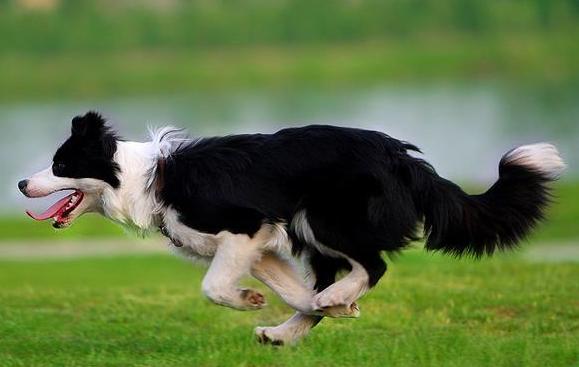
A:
(134, 204)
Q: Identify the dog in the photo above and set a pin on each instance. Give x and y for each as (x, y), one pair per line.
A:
(293, 209)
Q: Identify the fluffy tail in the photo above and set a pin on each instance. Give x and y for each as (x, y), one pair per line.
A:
(460, 224)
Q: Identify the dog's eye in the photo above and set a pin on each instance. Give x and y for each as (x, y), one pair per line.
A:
(58, 168)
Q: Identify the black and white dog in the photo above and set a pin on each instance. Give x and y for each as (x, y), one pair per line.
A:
(333, 198)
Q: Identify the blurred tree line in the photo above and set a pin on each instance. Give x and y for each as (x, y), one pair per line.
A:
(83, 25)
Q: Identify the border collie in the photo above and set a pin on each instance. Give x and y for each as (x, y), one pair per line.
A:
(322, 199)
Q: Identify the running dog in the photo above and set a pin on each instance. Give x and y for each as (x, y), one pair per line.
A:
(321, 198)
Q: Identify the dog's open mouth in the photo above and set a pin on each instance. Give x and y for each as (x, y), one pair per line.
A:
(60, 210)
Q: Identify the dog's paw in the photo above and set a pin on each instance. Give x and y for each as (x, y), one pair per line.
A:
(335, 304)
(350, 311)
(266, 335)
(252, 299)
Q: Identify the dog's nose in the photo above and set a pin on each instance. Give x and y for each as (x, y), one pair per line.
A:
(22, 185)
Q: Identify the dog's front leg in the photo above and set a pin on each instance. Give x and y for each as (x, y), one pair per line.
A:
(233, 259)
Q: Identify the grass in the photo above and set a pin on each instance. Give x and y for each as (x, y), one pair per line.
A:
(148, 311)
(427, 311)
(563, 216)
(84, 26)
(81, 50)
(88, 226)
(525, 59)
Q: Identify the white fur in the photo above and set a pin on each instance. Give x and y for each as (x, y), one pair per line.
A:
(165, 140)
(199, 244)
(278, 239)
(231, 262)
(303, 230)
(132, 204)
(541, 157)
(283, 278)
(345, 291)
(45, 183)
(194, 242)
(163, 143)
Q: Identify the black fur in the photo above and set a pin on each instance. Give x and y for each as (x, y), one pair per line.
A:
(89, 151)
(458, 223)
(362, 192)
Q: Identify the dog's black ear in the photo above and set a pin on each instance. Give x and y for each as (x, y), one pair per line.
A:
(91, 124)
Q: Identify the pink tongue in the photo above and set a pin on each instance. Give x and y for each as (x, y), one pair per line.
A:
(52, 211)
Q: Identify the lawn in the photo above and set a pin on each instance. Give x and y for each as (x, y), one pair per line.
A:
(147, 310)
(528, 60)
(83, 51)
(429, 310)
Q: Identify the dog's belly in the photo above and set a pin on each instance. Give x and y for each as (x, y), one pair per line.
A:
(188, 241)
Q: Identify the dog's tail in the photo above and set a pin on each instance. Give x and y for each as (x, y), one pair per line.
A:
(460, 224)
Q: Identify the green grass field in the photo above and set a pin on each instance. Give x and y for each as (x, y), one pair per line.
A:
(81, 50)
(427, 311)
(543, 60)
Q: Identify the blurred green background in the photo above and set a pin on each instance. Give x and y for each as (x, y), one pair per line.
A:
(92, 49)
(470, 76)
(465, 80)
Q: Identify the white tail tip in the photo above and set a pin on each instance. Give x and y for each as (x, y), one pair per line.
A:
(541, 157)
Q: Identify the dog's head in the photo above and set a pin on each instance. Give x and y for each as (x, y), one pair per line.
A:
(83, 163)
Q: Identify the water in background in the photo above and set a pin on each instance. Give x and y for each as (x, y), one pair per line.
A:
(462, 130)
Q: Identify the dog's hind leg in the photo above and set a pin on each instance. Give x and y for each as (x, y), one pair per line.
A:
(345, 292)
(281, 277)
(233, 259)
